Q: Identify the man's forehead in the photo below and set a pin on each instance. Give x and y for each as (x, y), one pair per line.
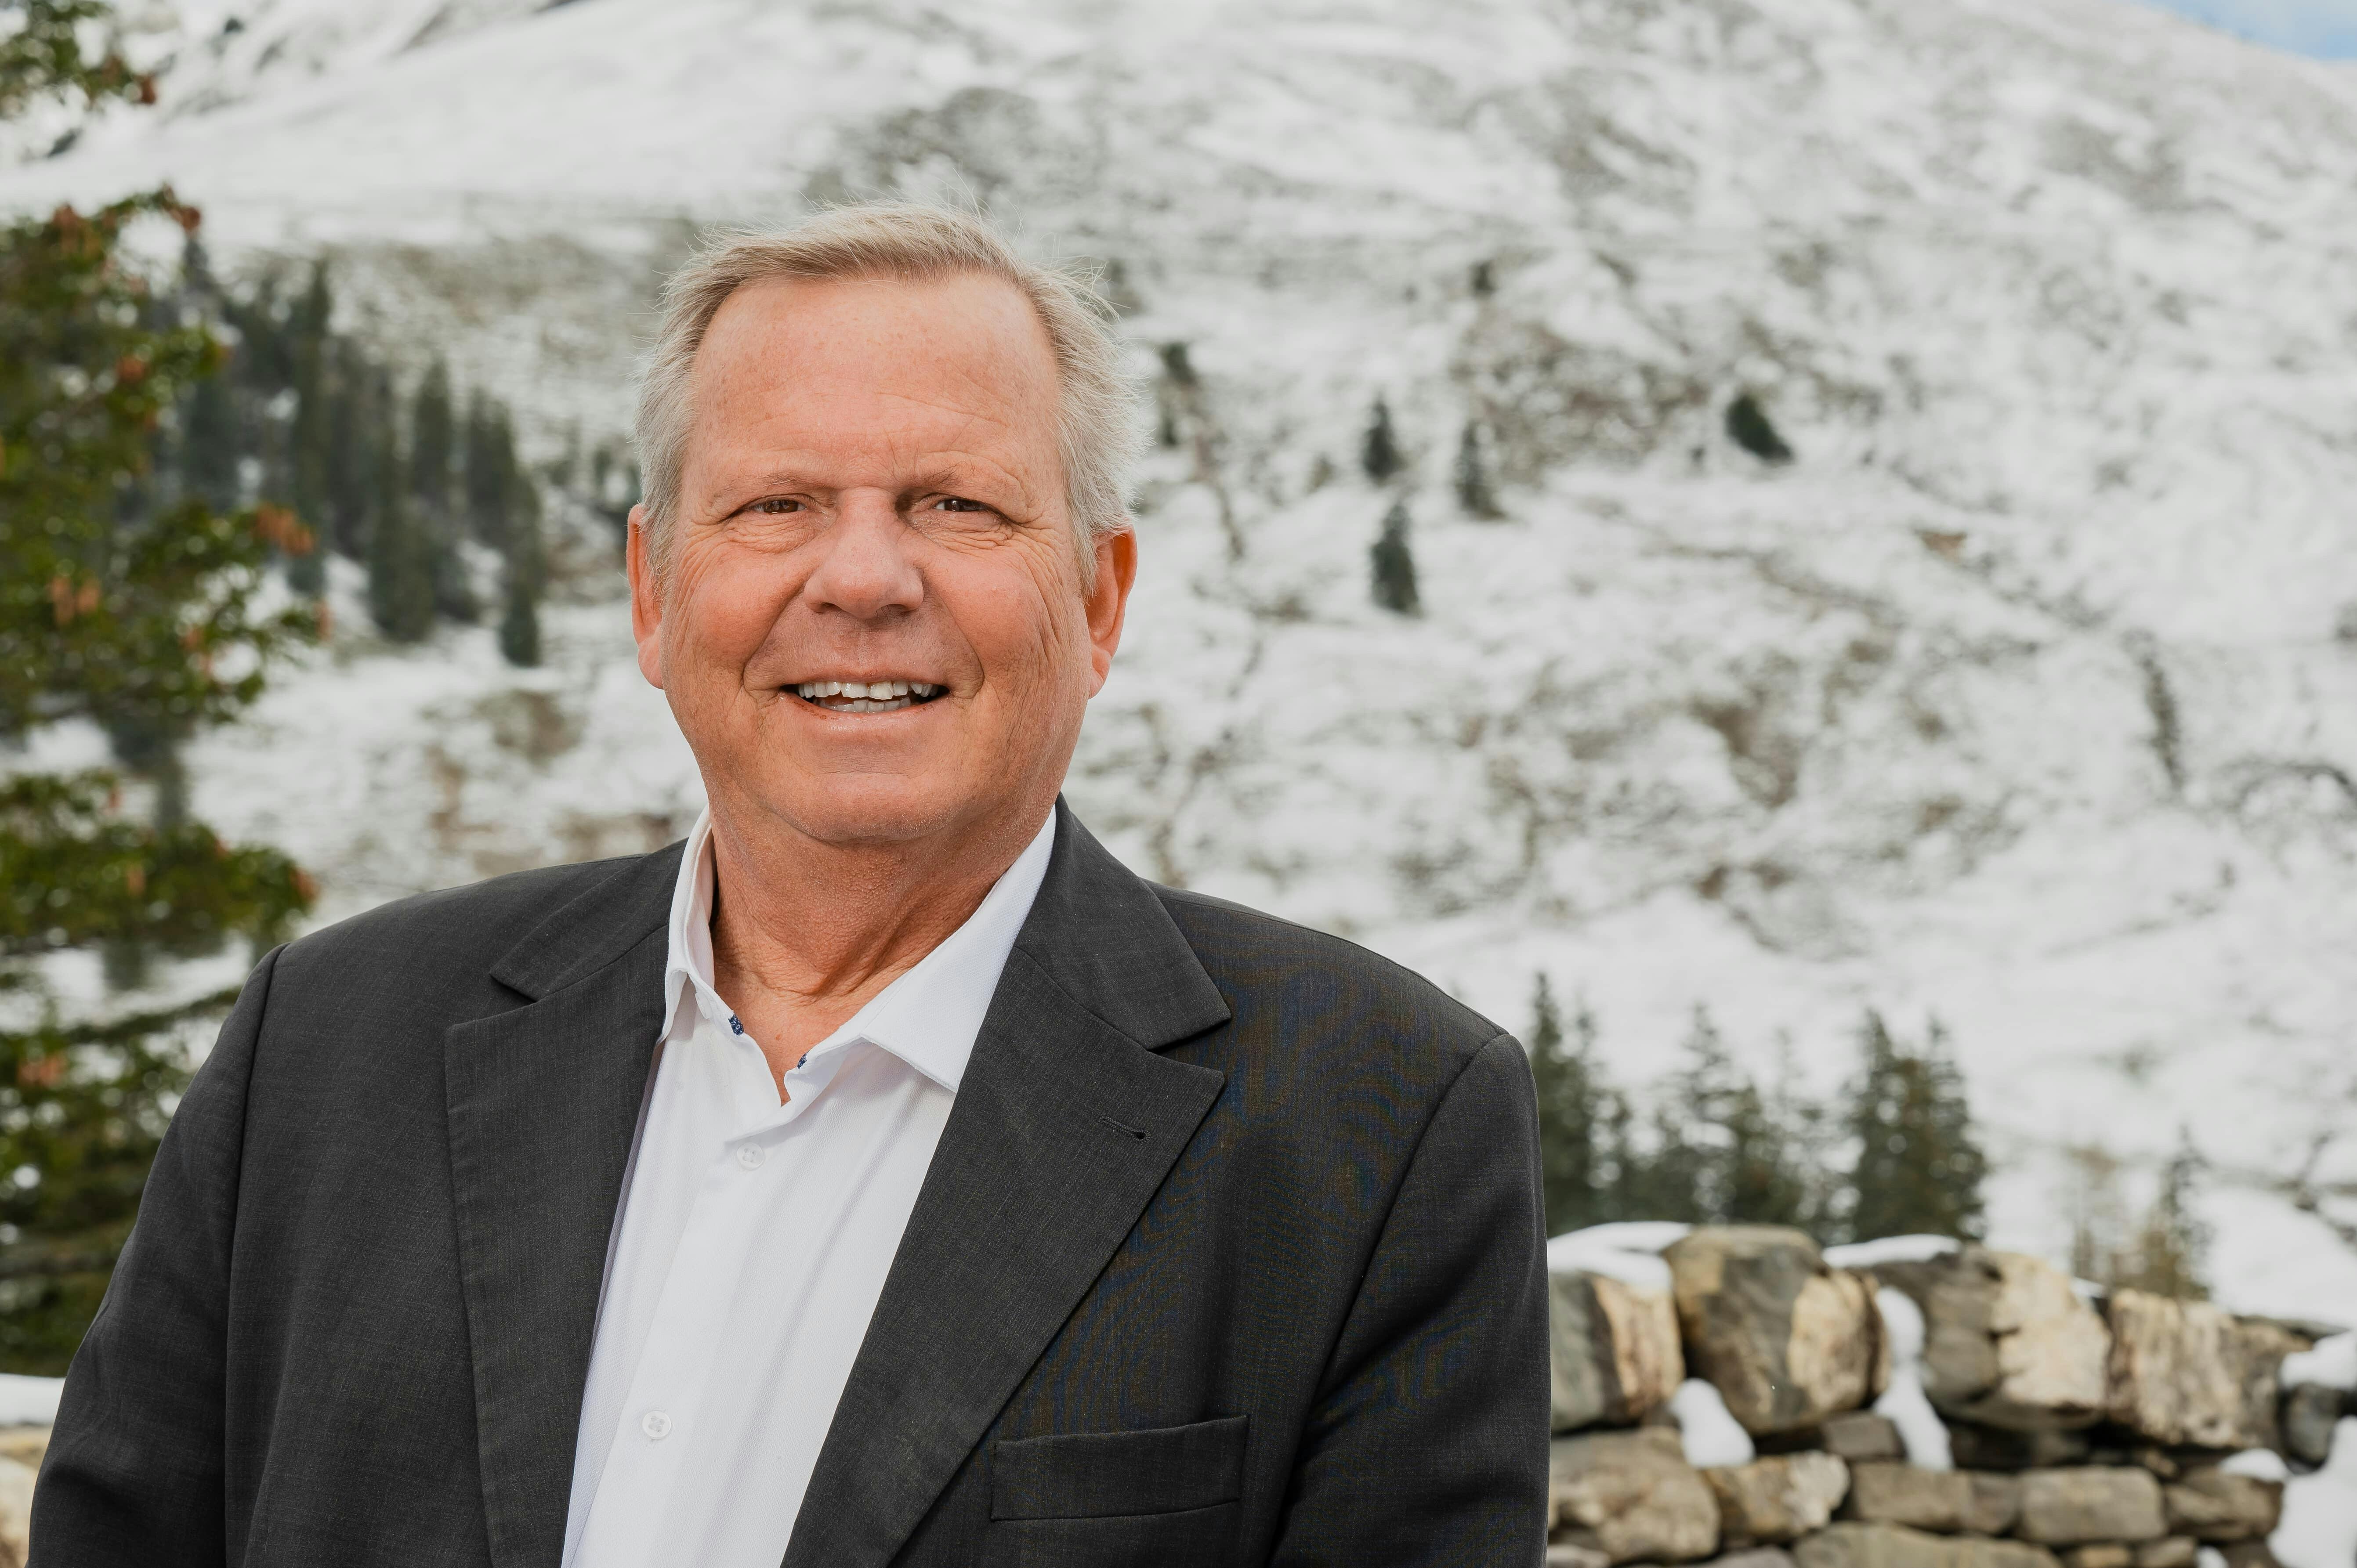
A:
(883, 332)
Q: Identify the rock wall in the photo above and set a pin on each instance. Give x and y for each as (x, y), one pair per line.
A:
(2070, 1430)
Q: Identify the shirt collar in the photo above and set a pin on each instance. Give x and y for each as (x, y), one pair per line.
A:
(928, 1016)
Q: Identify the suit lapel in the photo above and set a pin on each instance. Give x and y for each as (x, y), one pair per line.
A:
(1065, 1124)
(542, 1102)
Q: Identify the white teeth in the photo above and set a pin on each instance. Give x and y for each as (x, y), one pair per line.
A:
(922, 689)
(866, 696)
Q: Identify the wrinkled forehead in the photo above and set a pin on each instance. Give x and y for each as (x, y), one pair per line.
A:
(868, 362)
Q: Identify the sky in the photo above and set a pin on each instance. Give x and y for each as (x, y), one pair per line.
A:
(2307, 27)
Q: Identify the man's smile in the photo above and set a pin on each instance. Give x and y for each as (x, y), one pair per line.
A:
(886, 696)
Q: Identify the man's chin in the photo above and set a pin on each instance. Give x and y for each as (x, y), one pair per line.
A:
(872, 811)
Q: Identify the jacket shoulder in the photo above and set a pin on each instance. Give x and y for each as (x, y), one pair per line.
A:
(462, 930)
(1263, 961)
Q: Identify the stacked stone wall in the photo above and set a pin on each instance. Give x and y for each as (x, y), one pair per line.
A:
(2040, 1425)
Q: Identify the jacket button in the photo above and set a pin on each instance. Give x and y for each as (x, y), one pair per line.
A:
(655, 1424)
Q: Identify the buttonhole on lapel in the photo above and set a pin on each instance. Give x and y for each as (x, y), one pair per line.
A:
(1125, 1131)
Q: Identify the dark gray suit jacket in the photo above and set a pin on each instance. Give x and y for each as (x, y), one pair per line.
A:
(1231, 1253)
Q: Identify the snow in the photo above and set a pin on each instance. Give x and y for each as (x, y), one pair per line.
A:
(1710, 1435)
(28, 1401)
(1904, 1402)
(2332, 1363)
(2258, 1463)
(1630, 1252)
(2018, 701)
(1891, 1249)
(2319, 1511)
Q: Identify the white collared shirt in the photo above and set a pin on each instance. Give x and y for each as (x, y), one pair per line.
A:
(754, 1238)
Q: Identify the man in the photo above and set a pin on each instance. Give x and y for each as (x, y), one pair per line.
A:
(890, 1175)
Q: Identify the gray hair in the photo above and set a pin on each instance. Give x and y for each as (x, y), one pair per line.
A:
(1097, 430)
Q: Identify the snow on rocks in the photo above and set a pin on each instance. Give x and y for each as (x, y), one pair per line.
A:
(1785, 1340)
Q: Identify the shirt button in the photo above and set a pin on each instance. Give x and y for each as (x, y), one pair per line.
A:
(655, 1424)
(749, 1155)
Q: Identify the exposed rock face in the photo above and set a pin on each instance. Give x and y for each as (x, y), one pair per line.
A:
(1786, 1340)
(1848, 1545)
(1777, 1500)
(1860, 1435)
(2211, 1504)
(1632, 1497)
(2309, 1413)
(2188, 1372)
(2110, 1555)
(2091, 1505)
(1889, 1493)
(1756, 1557)
(2007, 1343)
(1615, 1350)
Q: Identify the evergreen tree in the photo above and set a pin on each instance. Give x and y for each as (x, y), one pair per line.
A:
(1748, 426)
(1920, 1166)
(433, 468)
(143, 621)
(526, 574)
(308, 443)
(1575, 1117)
(401, 570)
(1395, 567)
(2172, 1245)
(1379, 453)
(210, 444)
(354, 410)
(488, 472)
(1473, 493)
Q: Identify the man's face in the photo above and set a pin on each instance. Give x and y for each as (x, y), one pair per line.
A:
(873, 493)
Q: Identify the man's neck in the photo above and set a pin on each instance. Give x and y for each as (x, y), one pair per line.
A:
(805, 933)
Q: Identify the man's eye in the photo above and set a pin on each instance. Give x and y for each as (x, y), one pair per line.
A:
(958, 503)
(776, 505)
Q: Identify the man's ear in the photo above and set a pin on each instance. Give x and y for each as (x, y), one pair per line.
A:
(646, 599)
(1108, 599)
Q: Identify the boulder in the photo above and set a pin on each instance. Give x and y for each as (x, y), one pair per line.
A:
(1861, 1436)
(1995, 1507)
(1994, 1448)
(1614, 1350)
(2250, 1554)
(1889, 1493)
(1851, 1545)
(2309, 1413)
(2214, 1506)
(1630, 1495)
(1786, 1340)
(1754, 1557)
(1777, 1499)
(1565, 1554)
(2109, 1554)
(2090, 1504)
(2169, 1551)
(2186, 1372)
(2006, 1341)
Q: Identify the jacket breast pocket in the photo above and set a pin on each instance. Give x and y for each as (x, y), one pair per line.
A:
(1118, 1500)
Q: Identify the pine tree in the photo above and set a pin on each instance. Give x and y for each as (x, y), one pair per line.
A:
(2172, 1245)
(1575, 1116)
(487, 473)
(401, 557)
(211, 445)
(433, 468)
(1379, 453)
(1473, 493)
(308, 443)
(1395, 567)
(1748, 426)
(144, 621)
(1920, 1166)
(352, 480)
(526, 574)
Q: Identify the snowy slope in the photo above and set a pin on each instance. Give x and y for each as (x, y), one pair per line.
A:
(2021, 698)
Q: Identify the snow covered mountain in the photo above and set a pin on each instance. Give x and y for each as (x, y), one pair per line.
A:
(2026, 696)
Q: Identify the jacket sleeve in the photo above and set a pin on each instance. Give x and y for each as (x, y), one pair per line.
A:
(1428, 1444)
(134, 1472)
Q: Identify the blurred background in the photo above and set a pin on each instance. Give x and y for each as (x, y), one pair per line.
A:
(1796, 552)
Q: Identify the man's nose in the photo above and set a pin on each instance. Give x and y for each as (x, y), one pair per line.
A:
(865, 570)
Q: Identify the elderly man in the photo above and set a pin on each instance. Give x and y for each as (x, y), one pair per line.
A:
(889, 1176)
